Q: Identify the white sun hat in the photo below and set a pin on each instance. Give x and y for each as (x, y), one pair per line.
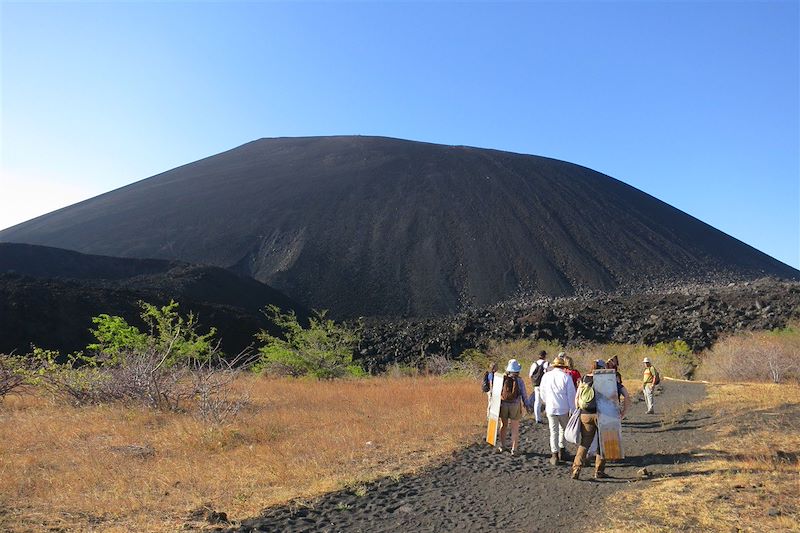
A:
(646, 360)
(513, 366)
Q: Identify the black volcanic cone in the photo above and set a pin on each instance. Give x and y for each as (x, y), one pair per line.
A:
(378, 226)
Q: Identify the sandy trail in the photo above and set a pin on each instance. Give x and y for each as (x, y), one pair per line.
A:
(480, 489)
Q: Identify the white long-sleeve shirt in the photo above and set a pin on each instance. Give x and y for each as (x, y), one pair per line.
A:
(558, 392)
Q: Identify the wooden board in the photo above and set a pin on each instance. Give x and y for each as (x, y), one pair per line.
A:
(494, 409)
(609, 423)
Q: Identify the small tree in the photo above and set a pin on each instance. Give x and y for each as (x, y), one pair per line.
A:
(678, 355)
(323, 350)
(169, 333)
(115, 336)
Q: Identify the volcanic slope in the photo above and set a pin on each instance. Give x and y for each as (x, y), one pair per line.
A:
(48, 297)
(384, 227)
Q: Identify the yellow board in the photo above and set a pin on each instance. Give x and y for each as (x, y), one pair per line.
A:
(491, 432)
(612, 446)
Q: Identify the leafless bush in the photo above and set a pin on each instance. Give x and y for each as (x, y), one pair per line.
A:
(13, 370)
(763, 356)
(145, 377)
(216, 401)
(135, 376)
(438, 365)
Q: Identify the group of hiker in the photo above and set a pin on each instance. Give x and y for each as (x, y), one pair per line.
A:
(559, 391)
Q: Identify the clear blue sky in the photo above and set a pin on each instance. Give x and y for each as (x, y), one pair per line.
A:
(696, 103)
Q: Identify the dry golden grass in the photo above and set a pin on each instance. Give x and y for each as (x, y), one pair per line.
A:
(746, 479)
(111, 468)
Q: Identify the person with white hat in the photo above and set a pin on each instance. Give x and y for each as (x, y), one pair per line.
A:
(513, 398)
(558, 393)
(650, 379)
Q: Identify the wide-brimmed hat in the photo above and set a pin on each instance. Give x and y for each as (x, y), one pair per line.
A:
(559, 362)
(513, 366)
(646, 360)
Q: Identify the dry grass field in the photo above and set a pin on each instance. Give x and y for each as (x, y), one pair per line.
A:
(112, 468)
(746, 479)
(121, 468)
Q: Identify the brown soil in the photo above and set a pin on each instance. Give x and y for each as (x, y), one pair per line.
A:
(480, 489)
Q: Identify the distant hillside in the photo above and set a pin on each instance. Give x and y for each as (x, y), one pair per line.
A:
(48, 296)
(383, 227)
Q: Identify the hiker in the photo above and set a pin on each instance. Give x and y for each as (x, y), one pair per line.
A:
(512, 400)
(589, 422)
(572, 371)
(612, 363)
(538, 368)
(650, 379)
(558, 393)
(488, 379)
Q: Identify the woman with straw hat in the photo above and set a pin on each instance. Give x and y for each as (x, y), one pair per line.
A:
(512, 399)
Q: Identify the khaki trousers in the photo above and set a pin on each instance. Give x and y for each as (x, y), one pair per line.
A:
(588, 431)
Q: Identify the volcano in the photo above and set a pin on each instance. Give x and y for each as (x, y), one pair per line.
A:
(373, 226)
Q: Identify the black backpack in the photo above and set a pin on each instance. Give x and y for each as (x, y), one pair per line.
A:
(485, 386)
(538, 372)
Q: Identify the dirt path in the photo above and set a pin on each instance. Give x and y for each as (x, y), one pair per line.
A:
(482, 490)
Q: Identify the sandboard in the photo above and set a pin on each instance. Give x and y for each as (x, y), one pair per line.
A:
(609, 423)
(494, 408)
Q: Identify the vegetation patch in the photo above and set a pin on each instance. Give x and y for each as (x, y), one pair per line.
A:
(745, 479)
(115, 467)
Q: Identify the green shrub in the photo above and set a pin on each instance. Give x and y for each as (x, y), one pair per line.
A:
(677, 358)
(114, 336)
(323, 350)
(15, 373)
(169, 333)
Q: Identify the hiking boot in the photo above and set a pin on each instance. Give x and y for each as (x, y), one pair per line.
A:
(600, 475)
(553, 459)
(500, 448)
(514, 453)
(650, 412)
(576, 473)
(562, 454)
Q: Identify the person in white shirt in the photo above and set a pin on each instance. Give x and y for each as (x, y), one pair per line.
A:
(538, 368)
(558, 394)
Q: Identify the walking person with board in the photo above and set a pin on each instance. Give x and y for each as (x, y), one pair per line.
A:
(592, 403)
(509, 398)
(486, 386)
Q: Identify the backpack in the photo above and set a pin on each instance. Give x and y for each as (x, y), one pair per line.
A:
(586, 400)
(538, 372)
(510, 390)
(485, 386)
(656, 376)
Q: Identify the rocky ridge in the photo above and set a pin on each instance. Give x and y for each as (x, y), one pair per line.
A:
(696, 313)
